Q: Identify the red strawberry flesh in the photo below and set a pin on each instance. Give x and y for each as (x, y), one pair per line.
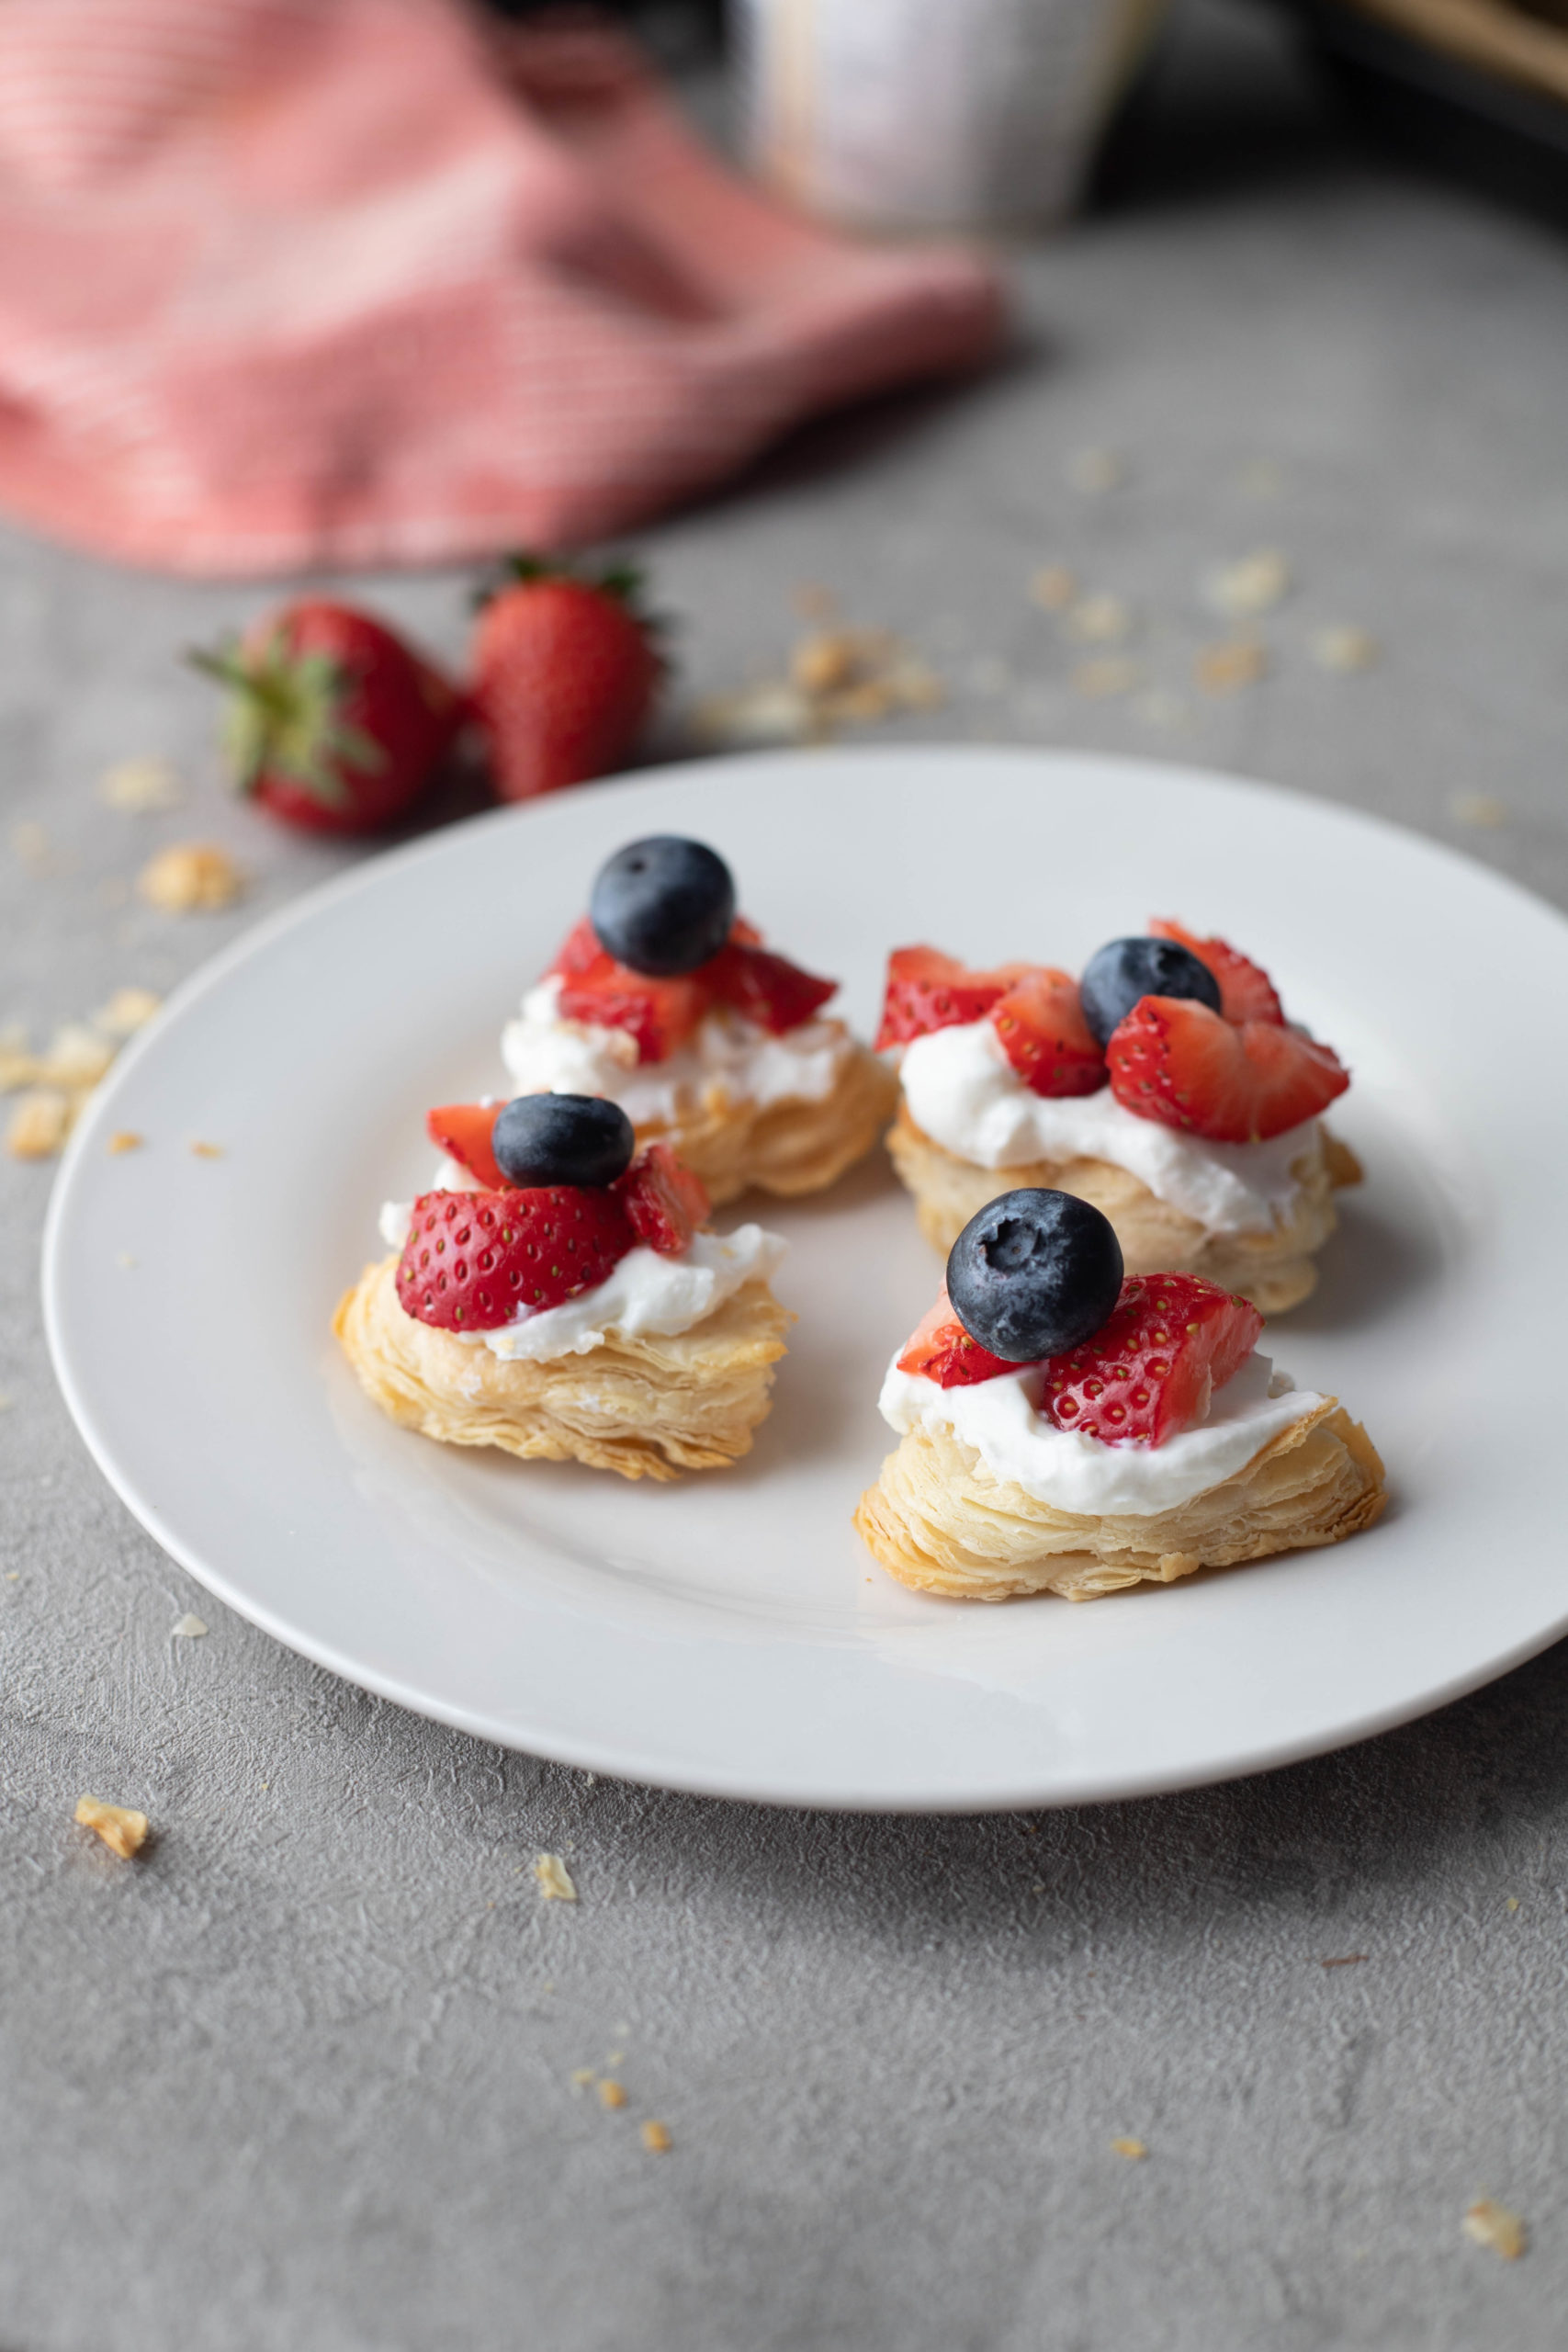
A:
(1149, 1371)
(659, 1014)
(564, 673)
(463, 1131)
(1174, 1061)
(1247, 992)
(926, 991)
(766, 989)
(663, 1200)
(473, 1259)
(940, 1349)
(1045, 1036)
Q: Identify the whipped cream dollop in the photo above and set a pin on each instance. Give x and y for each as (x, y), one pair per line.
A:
(962, 1090)
(1002, 1420)
(727, 1054)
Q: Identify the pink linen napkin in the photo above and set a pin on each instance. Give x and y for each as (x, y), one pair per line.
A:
(287, 283)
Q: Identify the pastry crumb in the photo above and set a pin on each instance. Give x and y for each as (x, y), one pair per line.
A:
(122, 1140)
(1237, 662)
(1512, 1903)
(1253, 585)
(1054, 587)
(1491, 2224)
(656, 2137)
(1480, 809)
(186, 1628)
(839, 677)
(207, 1150)
(127, 1010)
(189, 878)
(139, 786)
(124, 1259)
(1344, 648)
(611, 2093)
(1100, 619)
(555, 1879)
(77, 1060)
(40, 1123)
(1133, 2149)
(121, 1827)
(1092, 472)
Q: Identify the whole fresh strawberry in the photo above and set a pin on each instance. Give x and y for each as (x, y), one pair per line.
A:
(331, 722)
(565, 671)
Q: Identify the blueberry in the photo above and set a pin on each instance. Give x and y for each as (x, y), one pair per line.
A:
(1035, 1272)
(562, 1139)
(1128, 968)
(663, 905)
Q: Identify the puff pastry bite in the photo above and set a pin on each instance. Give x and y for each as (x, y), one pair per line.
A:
(665, 1000)
(586, 1314)
(1156, 1442)
(1167, 1088)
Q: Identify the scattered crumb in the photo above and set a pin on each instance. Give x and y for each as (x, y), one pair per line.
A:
(581, 2076)
(30, 844)
(610, 2094)
(40, 1123)
(190, 877)
(1112, 674)
(207, 1150)
(121, 1827)
(656, 2137)
(1100, 620)
(1239, 661)
(1342, 647)
(837, 678)
(1479, 809)
(819, 665)
(555, 1879)
(1094, 472)
(18, 1067)
(1159, 708)
(1493, 2225)
(1252, 585)
(123, 1139)
(186, 1628)
(1348, 1960)
(125, 1258)
(1055, 587)
(1512, 1903)
(138, 787)
(127, 1010)
(77, 1060)
(1133, 2148)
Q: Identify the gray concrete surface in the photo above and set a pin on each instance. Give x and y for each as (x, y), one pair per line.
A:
(301, 2081)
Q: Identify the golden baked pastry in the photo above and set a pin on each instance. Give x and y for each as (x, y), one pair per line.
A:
(647, 1408)
(939, 1519)
(783, 1148)
(1275, 1271)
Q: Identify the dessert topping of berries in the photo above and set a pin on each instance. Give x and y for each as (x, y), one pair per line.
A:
(565, 670)
(1034, 1273)
(331, 722)
(552, 1139)
(659, 1014)
(926, 991)
(463, 1131)
(1118, 974)
(1045, 1036)
(1150, 1369)
(1180, 1063)
(1247, 992)
(664, 1200)
(940, 1349)
(472, 1260)
(767, 989)
(663, 906)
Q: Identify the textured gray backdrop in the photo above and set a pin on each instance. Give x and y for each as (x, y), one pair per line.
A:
(303, 2080)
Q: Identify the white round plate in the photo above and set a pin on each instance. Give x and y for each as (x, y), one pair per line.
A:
(728, 1633)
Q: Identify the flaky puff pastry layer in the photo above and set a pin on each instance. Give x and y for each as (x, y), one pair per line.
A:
(648, 1408)
(783, 1147)
(939, 1519)
(1275, 1270)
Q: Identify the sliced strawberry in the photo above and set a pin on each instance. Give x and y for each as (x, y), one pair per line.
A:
(1247, 992)
(768, 990)
(928, 991)
(1045, 1036)
(1150, 1369)
(1174, 1060)
(472, 1259)
(665, 1202)
(463, 1130)
(940, 1349)
(659, 1014)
